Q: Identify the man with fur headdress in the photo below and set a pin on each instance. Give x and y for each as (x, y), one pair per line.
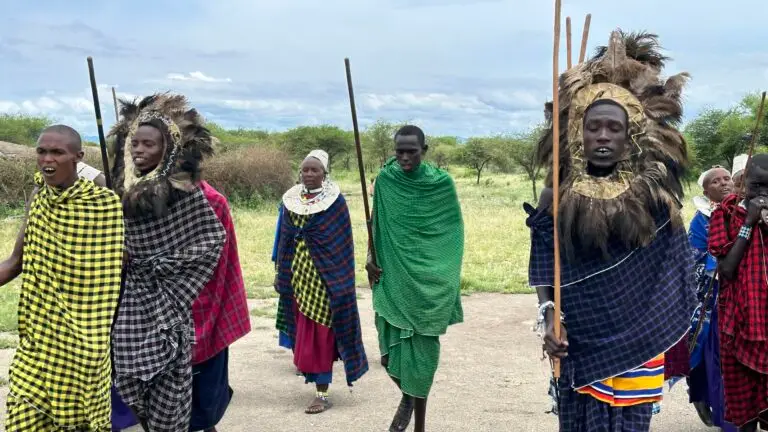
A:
(627, 287)
(173, 241)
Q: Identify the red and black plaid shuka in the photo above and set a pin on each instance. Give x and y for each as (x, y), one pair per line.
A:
(220, 312)
(743, 315)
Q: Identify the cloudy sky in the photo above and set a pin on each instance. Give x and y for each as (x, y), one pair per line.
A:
(456, 67)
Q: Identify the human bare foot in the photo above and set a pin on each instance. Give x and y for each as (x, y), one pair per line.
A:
(318, 405)
(403, 415)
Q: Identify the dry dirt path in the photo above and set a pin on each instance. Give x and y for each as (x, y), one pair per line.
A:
(490, 379)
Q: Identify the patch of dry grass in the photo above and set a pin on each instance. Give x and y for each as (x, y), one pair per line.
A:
(496, 247)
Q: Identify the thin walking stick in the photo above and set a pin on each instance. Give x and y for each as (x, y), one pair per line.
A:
(556, 173)
(99, 125)
(360, 166)
(753, 141)
(585, 38)
(569, 61)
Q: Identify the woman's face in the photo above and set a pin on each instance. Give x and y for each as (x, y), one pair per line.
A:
(718, 185)
(312, 173)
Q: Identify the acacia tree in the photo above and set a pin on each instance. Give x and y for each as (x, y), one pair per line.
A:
(521, 152)
(477, 154)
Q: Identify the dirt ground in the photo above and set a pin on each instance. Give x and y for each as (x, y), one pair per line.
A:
(490, 379)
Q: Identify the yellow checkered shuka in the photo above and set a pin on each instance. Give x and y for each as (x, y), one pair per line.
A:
(60, 376)
(309, 288)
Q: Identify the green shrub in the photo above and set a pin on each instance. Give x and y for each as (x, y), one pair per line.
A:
(250, 175)
(22, 129)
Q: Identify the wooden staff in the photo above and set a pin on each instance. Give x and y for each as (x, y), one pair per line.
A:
(569, 62)
(556, 173)
(753, 141)
(99, 125)
(585, 38)
(359, 149)
(114, 101)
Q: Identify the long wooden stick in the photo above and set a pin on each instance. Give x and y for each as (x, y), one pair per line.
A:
(585, 38)
(753, 141)
(99, 123)
(360, 165)
(114, 101)
(569, 58)
(556, 172)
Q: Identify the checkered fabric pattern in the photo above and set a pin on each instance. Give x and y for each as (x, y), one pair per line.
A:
(621, 311)
(308, 286)
(328, 236)
(73, 249)
(220, 312)
(743, 315)
(583, 413)
(743, 302)
(171, 259)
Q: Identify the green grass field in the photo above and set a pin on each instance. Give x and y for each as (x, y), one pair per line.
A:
(495, 257)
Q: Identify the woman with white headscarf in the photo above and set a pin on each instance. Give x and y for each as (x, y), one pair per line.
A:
(317, 310)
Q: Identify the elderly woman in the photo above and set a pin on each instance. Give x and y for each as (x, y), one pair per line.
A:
(316, 281)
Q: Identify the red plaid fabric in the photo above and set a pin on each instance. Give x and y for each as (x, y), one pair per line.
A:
(746, 391)
(221, 310)
(742, 315)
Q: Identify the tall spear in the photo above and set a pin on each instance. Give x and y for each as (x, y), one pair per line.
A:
(584, 38)
(753, 141)
(99, 123)
(556, 173)
(359, 149)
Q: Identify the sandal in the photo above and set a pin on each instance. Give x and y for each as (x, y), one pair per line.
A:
(320, 404)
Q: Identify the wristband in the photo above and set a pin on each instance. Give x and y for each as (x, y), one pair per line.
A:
(745, 232)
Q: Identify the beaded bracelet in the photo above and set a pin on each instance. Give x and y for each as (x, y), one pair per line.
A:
(745, 232)
(539, 328)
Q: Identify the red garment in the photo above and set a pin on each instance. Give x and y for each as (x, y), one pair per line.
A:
(742, 302)
(742, 314)
(746, 391)
(677, 361)
(221, 310)
(315, 348)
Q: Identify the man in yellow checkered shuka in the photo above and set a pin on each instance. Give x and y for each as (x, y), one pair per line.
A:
(69, 253)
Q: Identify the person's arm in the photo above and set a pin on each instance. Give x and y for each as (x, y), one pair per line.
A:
(10, 269)
(554, 347)
(729, 263)
(374, 271)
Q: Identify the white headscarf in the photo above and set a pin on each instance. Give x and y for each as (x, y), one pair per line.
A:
(702, 203)
(320, 155)
(295, 201)
(739, 163)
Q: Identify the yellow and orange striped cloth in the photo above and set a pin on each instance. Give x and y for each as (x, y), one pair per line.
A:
(642, 385)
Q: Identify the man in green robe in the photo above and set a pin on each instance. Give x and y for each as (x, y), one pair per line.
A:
(418, 239)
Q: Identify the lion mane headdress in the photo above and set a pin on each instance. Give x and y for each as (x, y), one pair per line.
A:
(648, 179)
(187, 141)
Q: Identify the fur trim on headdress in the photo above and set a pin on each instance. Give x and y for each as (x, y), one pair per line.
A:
(187, 141)
(594, 210)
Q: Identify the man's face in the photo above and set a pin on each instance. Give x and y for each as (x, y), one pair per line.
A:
(605, 135)
(757, 182)
(408, 152)
(57, 159)
(147, 149)
(718, 184)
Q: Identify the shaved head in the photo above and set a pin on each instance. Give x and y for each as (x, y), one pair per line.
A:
(74, 140)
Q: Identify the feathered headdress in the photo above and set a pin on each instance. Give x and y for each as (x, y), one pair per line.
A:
(186, 142)
(594, 210)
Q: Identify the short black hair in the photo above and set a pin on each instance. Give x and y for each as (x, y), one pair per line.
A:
(411, 130)
(759, 160)
(75, 141)
(600, 102)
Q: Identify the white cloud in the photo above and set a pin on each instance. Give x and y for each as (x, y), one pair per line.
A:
(196, 76)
